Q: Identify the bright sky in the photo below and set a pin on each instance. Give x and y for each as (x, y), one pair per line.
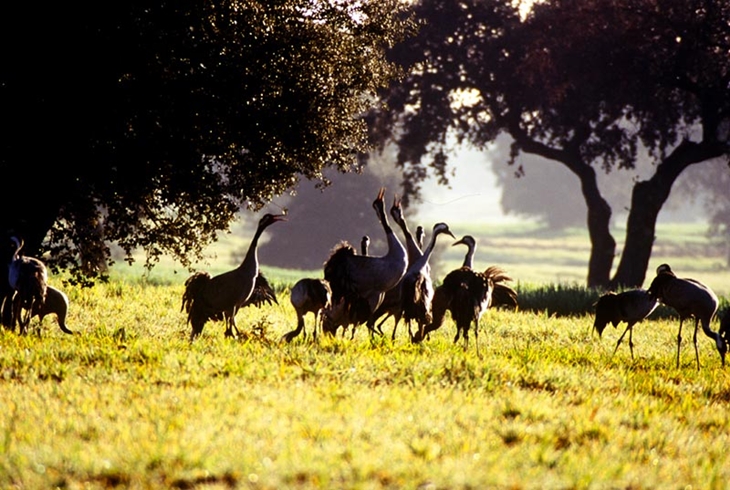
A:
(472, 195)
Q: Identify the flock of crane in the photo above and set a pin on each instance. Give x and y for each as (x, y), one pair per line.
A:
(360, 288)
(363, 289)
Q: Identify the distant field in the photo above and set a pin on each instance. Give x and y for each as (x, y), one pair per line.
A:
(532, 255)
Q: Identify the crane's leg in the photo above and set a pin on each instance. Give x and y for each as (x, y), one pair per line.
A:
(396, 320)
(315, 325)
(25, 319)
(233, 322)
(410, 332)
(679, 339)
(694, 339)
(230, 321)
(631, 343)
(300, 326)
(476, 338)
(379, 326)
(374, 303)
(370, 324)
(197, 328)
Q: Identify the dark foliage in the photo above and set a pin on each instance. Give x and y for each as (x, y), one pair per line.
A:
(584, 83)
(150, 124)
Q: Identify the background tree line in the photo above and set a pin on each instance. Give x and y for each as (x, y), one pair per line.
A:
(153, 125)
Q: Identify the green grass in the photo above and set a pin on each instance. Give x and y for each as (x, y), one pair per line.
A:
(129, 402)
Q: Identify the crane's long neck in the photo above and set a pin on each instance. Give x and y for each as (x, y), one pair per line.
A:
(250, 261)
(414, 251)
(423, 260)
(469, 257)
(395, 247)
(431, 245)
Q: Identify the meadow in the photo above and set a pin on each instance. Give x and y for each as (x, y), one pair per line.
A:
(130, 402)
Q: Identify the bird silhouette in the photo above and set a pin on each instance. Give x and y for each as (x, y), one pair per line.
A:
(219, 297)
(503, 296)
(691, 299)
(630, 306)
(28, 277)
(466, 294)
(337, 315)
(416, 287)
(392, 304)
(360, 282)
(309, 295)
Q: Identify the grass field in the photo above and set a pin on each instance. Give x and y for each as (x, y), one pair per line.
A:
(129, 402)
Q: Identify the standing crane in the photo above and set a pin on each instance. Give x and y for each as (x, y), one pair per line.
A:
(691, 299)
(215, 298)
(503, 296)
(466, 294)
(309, 295)
(28, 277)
(391, 305)
(362, 281)
(416, 287)
(630, 306)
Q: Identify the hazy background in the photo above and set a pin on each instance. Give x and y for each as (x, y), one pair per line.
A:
(533, 225)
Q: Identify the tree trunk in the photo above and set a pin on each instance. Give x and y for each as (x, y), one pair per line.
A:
(603, 245)
(647, 200)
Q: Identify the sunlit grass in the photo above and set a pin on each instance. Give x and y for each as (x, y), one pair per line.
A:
(130, 402)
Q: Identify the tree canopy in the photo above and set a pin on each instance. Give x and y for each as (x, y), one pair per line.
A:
(151, 124)
(585, 83)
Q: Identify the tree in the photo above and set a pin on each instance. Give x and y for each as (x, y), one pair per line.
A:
(585, 83)
(151, 124)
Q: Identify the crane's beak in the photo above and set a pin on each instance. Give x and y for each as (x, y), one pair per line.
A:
(458, 242)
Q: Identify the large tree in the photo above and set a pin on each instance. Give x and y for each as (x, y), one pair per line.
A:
(585, 83)
(151, 124)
